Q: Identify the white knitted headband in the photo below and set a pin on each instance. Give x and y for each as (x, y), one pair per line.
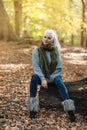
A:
(55, 38)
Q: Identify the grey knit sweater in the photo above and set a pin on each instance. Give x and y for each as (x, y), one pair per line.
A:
(38, 68)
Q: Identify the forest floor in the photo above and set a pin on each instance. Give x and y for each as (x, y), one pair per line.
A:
(15, 73)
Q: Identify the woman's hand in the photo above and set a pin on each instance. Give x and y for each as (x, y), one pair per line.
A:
(44, 83)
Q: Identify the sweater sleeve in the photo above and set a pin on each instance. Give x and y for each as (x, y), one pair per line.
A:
(58, 70)
(36, 64)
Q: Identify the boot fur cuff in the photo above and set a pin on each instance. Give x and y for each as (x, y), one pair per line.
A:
(68, 105)
(33, 104)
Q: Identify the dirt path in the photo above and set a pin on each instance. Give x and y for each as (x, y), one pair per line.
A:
(15, 73)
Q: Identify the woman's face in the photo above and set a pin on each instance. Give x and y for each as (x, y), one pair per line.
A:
(47, 39)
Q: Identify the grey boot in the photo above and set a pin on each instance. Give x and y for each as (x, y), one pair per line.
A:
(33, 106)
(69, 107)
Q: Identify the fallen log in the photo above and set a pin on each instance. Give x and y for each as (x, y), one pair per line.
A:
(78, 82)
(50, 97)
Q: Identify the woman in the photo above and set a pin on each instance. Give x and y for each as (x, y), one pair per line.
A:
(47, 65)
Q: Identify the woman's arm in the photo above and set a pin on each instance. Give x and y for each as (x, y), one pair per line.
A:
(36, 64)
(58, 69)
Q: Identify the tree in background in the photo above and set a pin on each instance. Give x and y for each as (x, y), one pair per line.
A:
(31, 17)
(6, 30)
(18, 16)
(84, 21)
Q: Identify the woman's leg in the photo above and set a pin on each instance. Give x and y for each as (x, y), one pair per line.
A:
(62, 88)
(33, 102)
(67, 103)
(35, 80)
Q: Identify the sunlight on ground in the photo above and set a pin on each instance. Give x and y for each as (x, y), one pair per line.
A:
(75, 55)
(78, 62)
(76, 58)
(13, 66)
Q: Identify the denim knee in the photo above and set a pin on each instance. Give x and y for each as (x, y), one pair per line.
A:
(35, 77)
(58, 80)
(33, 85)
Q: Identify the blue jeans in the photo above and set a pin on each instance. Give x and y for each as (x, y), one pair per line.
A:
(35, 80)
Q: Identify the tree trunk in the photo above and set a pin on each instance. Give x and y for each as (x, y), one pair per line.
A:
(86, 42)
(6, 30)
(50, 98)
(82, 27)
(82, 36)
(86, 28)
(18, 15)
(72, 39)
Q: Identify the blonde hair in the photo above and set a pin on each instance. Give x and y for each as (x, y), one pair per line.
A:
(56, 43)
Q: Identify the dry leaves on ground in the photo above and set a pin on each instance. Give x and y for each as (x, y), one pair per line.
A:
(15, 73)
